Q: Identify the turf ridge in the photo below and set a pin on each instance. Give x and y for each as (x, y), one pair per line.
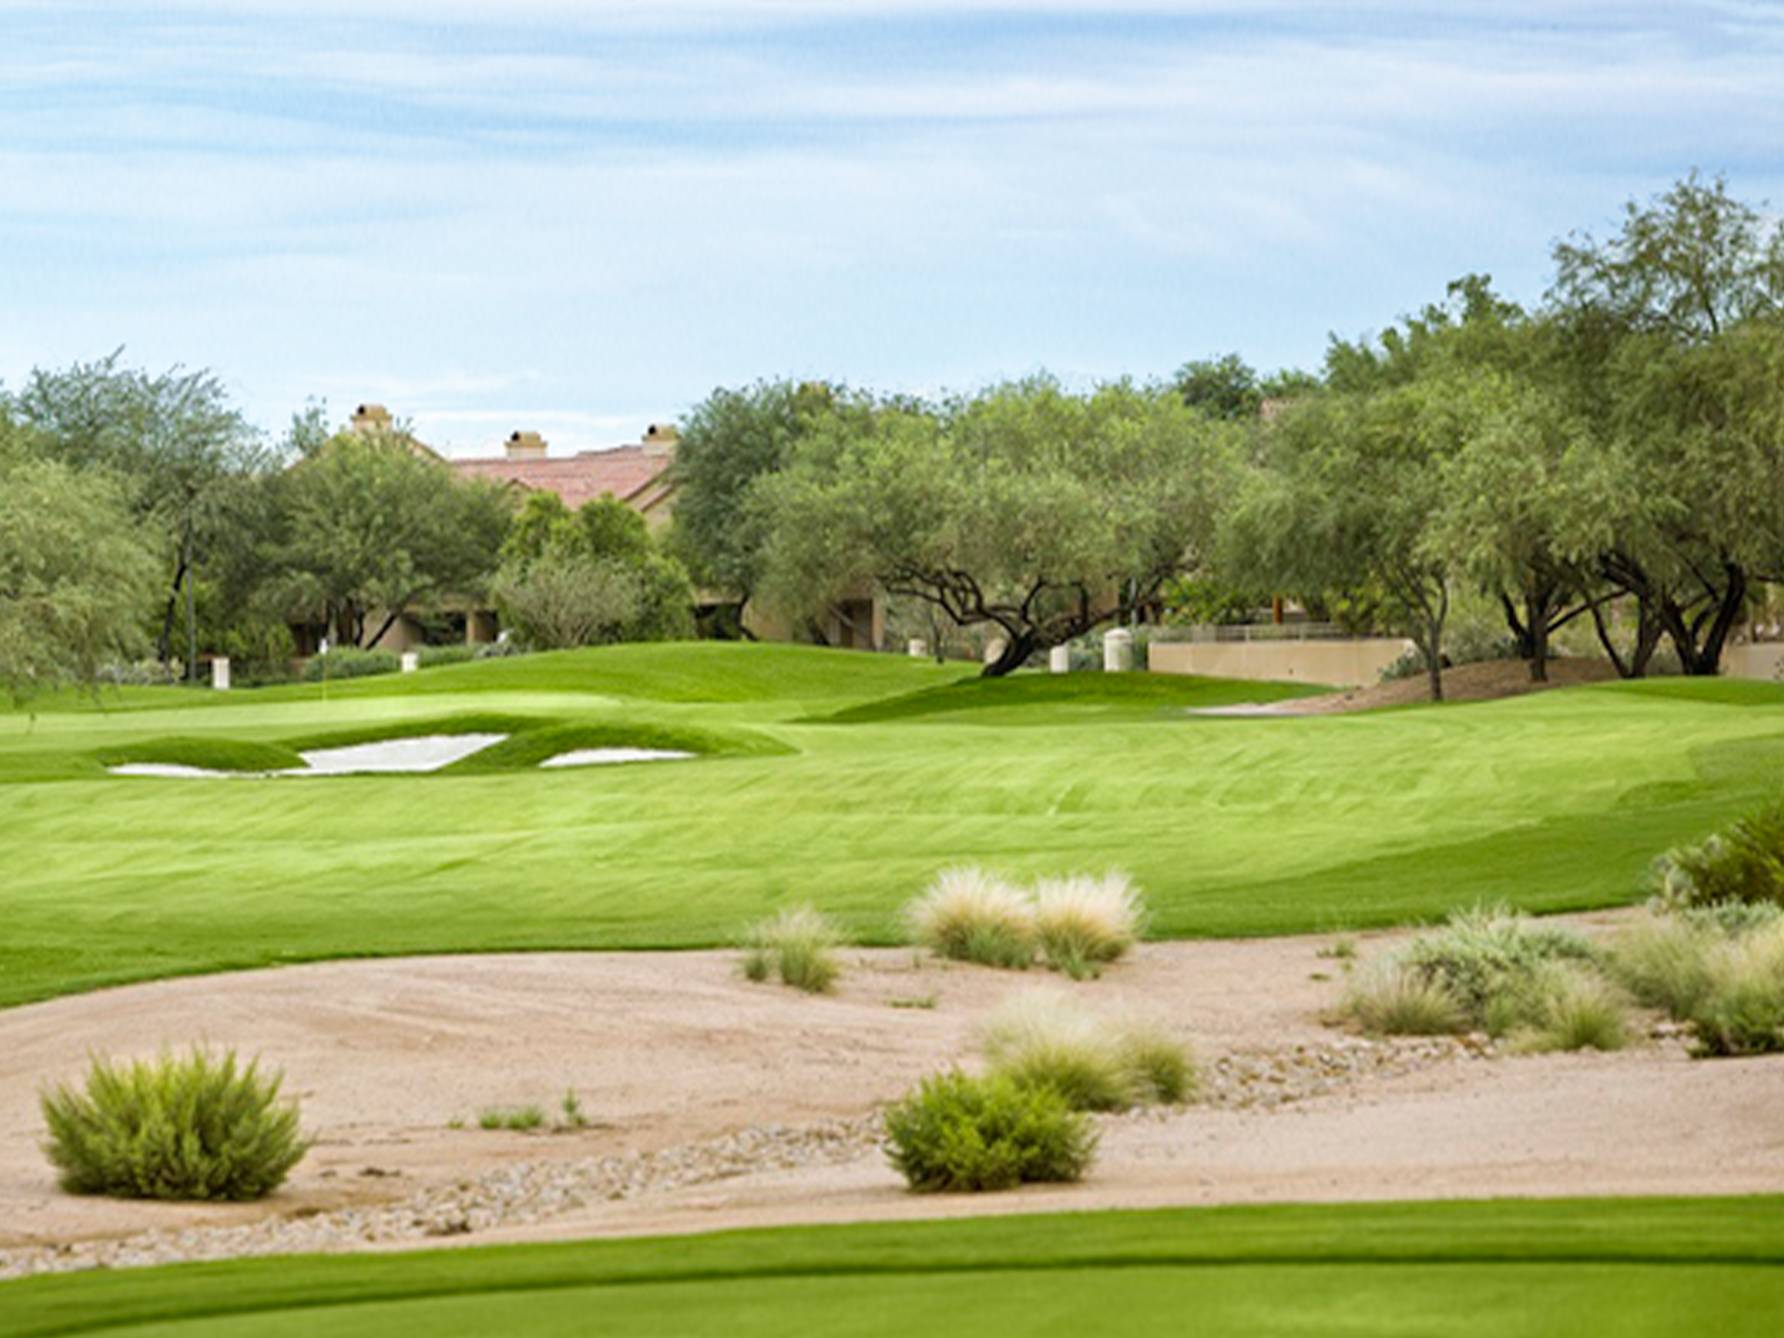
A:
(1641, 1232)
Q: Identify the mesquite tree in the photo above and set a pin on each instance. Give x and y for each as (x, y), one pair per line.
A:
(1039, 512)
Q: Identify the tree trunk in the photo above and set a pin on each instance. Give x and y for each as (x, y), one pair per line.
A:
(1017, 648)
(1704, 659)
(1434, 668)
(191, 616)
(164, 642)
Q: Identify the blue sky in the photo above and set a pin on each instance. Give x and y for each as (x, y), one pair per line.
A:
(581, 217)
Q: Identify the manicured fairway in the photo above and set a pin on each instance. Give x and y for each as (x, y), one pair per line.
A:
(834, 777)
(1611, 1266)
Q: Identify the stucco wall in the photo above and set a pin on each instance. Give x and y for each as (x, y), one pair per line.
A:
(1341, 663)
(1761, 659)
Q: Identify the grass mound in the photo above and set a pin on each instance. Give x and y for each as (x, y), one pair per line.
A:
(197, 1127)
(798, 946)
(957, 1133)
(527, 748)
(205, 753)
(1042, 698)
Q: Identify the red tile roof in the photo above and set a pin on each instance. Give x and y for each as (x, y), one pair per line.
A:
(625, 471)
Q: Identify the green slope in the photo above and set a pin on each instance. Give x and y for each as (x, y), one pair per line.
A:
(1564, 1267)
(1233, 826)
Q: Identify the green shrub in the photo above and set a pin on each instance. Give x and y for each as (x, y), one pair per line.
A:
(1490, 952)
(1042, 1039)
(350, 662)
(1082, 923)
(970, 916)
(520, 1119)
(197, 1127)
(1391, 999)
(798, 945)
(432, 656)
(959, 1133)
(1744, 862)
(1664, 962)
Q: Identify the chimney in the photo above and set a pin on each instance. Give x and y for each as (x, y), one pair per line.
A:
(526, 446)
(660, 439)
(371, 418)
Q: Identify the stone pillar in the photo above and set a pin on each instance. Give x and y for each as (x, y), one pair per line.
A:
(917, 648)
(1118, 651)
(411, 661)
(220, 673)
(1059, 660)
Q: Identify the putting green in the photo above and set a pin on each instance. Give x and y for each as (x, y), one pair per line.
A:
(1566, 1267)
(833, 777)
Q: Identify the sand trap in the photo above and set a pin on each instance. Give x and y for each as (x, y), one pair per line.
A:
(428, 752)
(385, 1055)
(1243, 709)
(594, 757)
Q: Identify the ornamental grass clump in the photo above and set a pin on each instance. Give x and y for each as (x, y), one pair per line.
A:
(1572, 1008)
(1391, 999)
(193, 1127)
(957, 1133)
(1718, 968)
(1083, 923)
(969, 915)
(1742, 1011)
(1489, 956)
(1042, 1039)
(798, 946)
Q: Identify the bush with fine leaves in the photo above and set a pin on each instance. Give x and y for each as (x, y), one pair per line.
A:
(957, 1132)
(1744, 862)
(193, 1127)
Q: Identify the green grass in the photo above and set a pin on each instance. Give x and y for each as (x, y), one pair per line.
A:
(1630, 1267)
(1551, 802)
(1039, 699)
(209, 754)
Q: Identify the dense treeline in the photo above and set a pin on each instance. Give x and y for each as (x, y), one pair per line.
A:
(1610, 456)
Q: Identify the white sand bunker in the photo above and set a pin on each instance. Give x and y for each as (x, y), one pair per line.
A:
(427, 752)
(1243, 709)
(594, 757)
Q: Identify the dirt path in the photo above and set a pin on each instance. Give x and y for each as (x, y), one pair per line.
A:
(693, 1078)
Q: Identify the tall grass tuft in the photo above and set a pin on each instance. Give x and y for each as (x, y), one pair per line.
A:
(960, 1133)
(1082, 923)
(1742, 1012)
(198, 1126)
(1664, 962)
(1392, 999)
(1041, 1038)
(969, 915)
(1574, 1008)
(799, 946)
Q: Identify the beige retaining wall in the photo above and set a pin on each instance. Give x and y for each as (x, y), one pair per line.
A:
(1754, 659)
(1347, 663)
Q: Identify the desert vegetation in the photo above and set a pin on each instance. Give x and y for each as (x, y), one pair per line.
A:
(1042, 1038)
(193, 1126)
(1077, 924)
(1719, 969)
(1489, 969)
(957, 1132)
(798, 947)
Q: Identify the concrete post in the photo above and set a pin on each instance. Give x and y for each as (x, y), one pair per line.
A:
(1118, 651)
(1059, 660)
(917, 648)
(220, 673)
(411, 661)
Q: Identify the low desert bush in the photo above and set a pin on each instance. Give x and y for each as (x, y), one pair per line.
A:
(1489, 953)
(1391, 999)
(350, 662)
(971, 916)
(960, 1133)
(798, 945)
(1042, 1039)
(519, 1119)
(1742, 1011)
(198, 1126)
(1081, 923)
(1664, 962)
(1744, 862)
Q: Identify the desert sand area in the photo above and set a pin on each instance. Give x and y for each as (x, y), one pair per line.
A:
(712, 1102)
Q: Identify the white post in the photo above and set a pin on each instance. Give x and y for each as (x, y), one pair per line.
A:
(1118, 651)
(917, 648)
(993, 649)
(1059, 660)
(411, 661)
(220, 673)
